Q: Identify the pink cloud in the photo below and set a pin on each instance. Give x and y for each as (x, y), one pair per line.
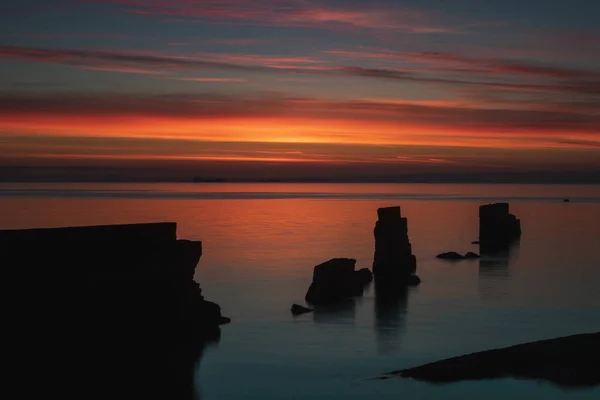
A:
(235, 42)
(501, 66)
(130, 70)
(459, 63)
(297, 13)
(68, 35)
(256, 59)
(395, 19)
(211, 79)
(262, 63)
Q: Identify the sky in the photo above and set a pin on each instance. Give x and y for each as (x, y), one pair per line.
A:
(299, 89)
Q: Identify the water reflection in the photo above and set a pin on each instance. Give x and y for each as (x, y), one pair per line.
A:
(159, 372)
(343, 312)
(494, 270)
(196, 392)
(391, 302)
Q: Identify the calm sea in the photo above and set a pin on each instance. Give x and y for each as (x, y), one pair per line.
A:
(261, 242)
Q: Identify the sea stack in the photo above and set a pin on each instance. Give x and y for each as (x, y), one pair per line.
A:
(498, 228)
(336, 280)
(394, 261)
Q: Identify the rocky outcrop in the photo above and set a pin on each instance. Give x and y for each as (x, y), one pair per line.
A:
(297, 309)
(117, 304)
(336, 280)
(498, 228)
(364, 276)
(572, 361)
(451, 255)
(394, 261)
(454, 256)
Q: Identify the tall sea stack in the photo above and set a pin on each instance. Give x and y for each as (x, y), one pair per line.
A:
(498, 228)
(394, 262)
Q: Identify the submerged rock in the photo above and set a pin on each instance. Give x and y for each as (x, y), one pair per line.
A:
(472, 255)
(571, 361)
(335, 280)
(451, 255)
(298, 309)
(393, 259)
(454, 256)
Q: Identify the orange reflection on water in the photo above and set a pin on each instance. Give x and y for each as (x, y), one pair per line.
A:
(281, 239)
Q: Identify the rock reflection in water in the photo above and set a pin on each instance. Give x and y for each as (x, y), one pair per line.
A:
(337, 313)
(391, 302)
(494, 270)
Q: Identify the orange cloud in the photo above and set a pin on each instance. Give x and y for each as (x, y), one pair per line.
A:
(316, 158)
(283, 130)
(377, 136)
(295, 119)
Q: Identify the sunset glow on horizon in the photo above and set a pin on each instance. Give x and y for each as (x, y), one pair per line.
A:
(496, 87)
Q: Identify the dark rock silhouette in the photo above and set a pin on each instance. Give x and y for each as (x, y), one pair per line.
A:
(451, 255)
(412, 280)
(117, 305)
(454, 256)
(497, 227)
(570, 362)
(566, 200)
(335, 280)
(364, 275)
(393, 259)
(298, 309)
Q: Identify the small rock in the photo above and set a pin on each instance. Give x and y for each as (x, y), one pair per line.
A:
(413, 280)
(476, 242)
(472, 255)
(364, 276)
(451, 255)
(298, 309)
(566, 200)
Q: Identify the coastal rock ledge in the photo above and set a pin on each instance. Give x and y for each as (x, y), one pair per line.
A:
(114, 309)
(569, 362)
